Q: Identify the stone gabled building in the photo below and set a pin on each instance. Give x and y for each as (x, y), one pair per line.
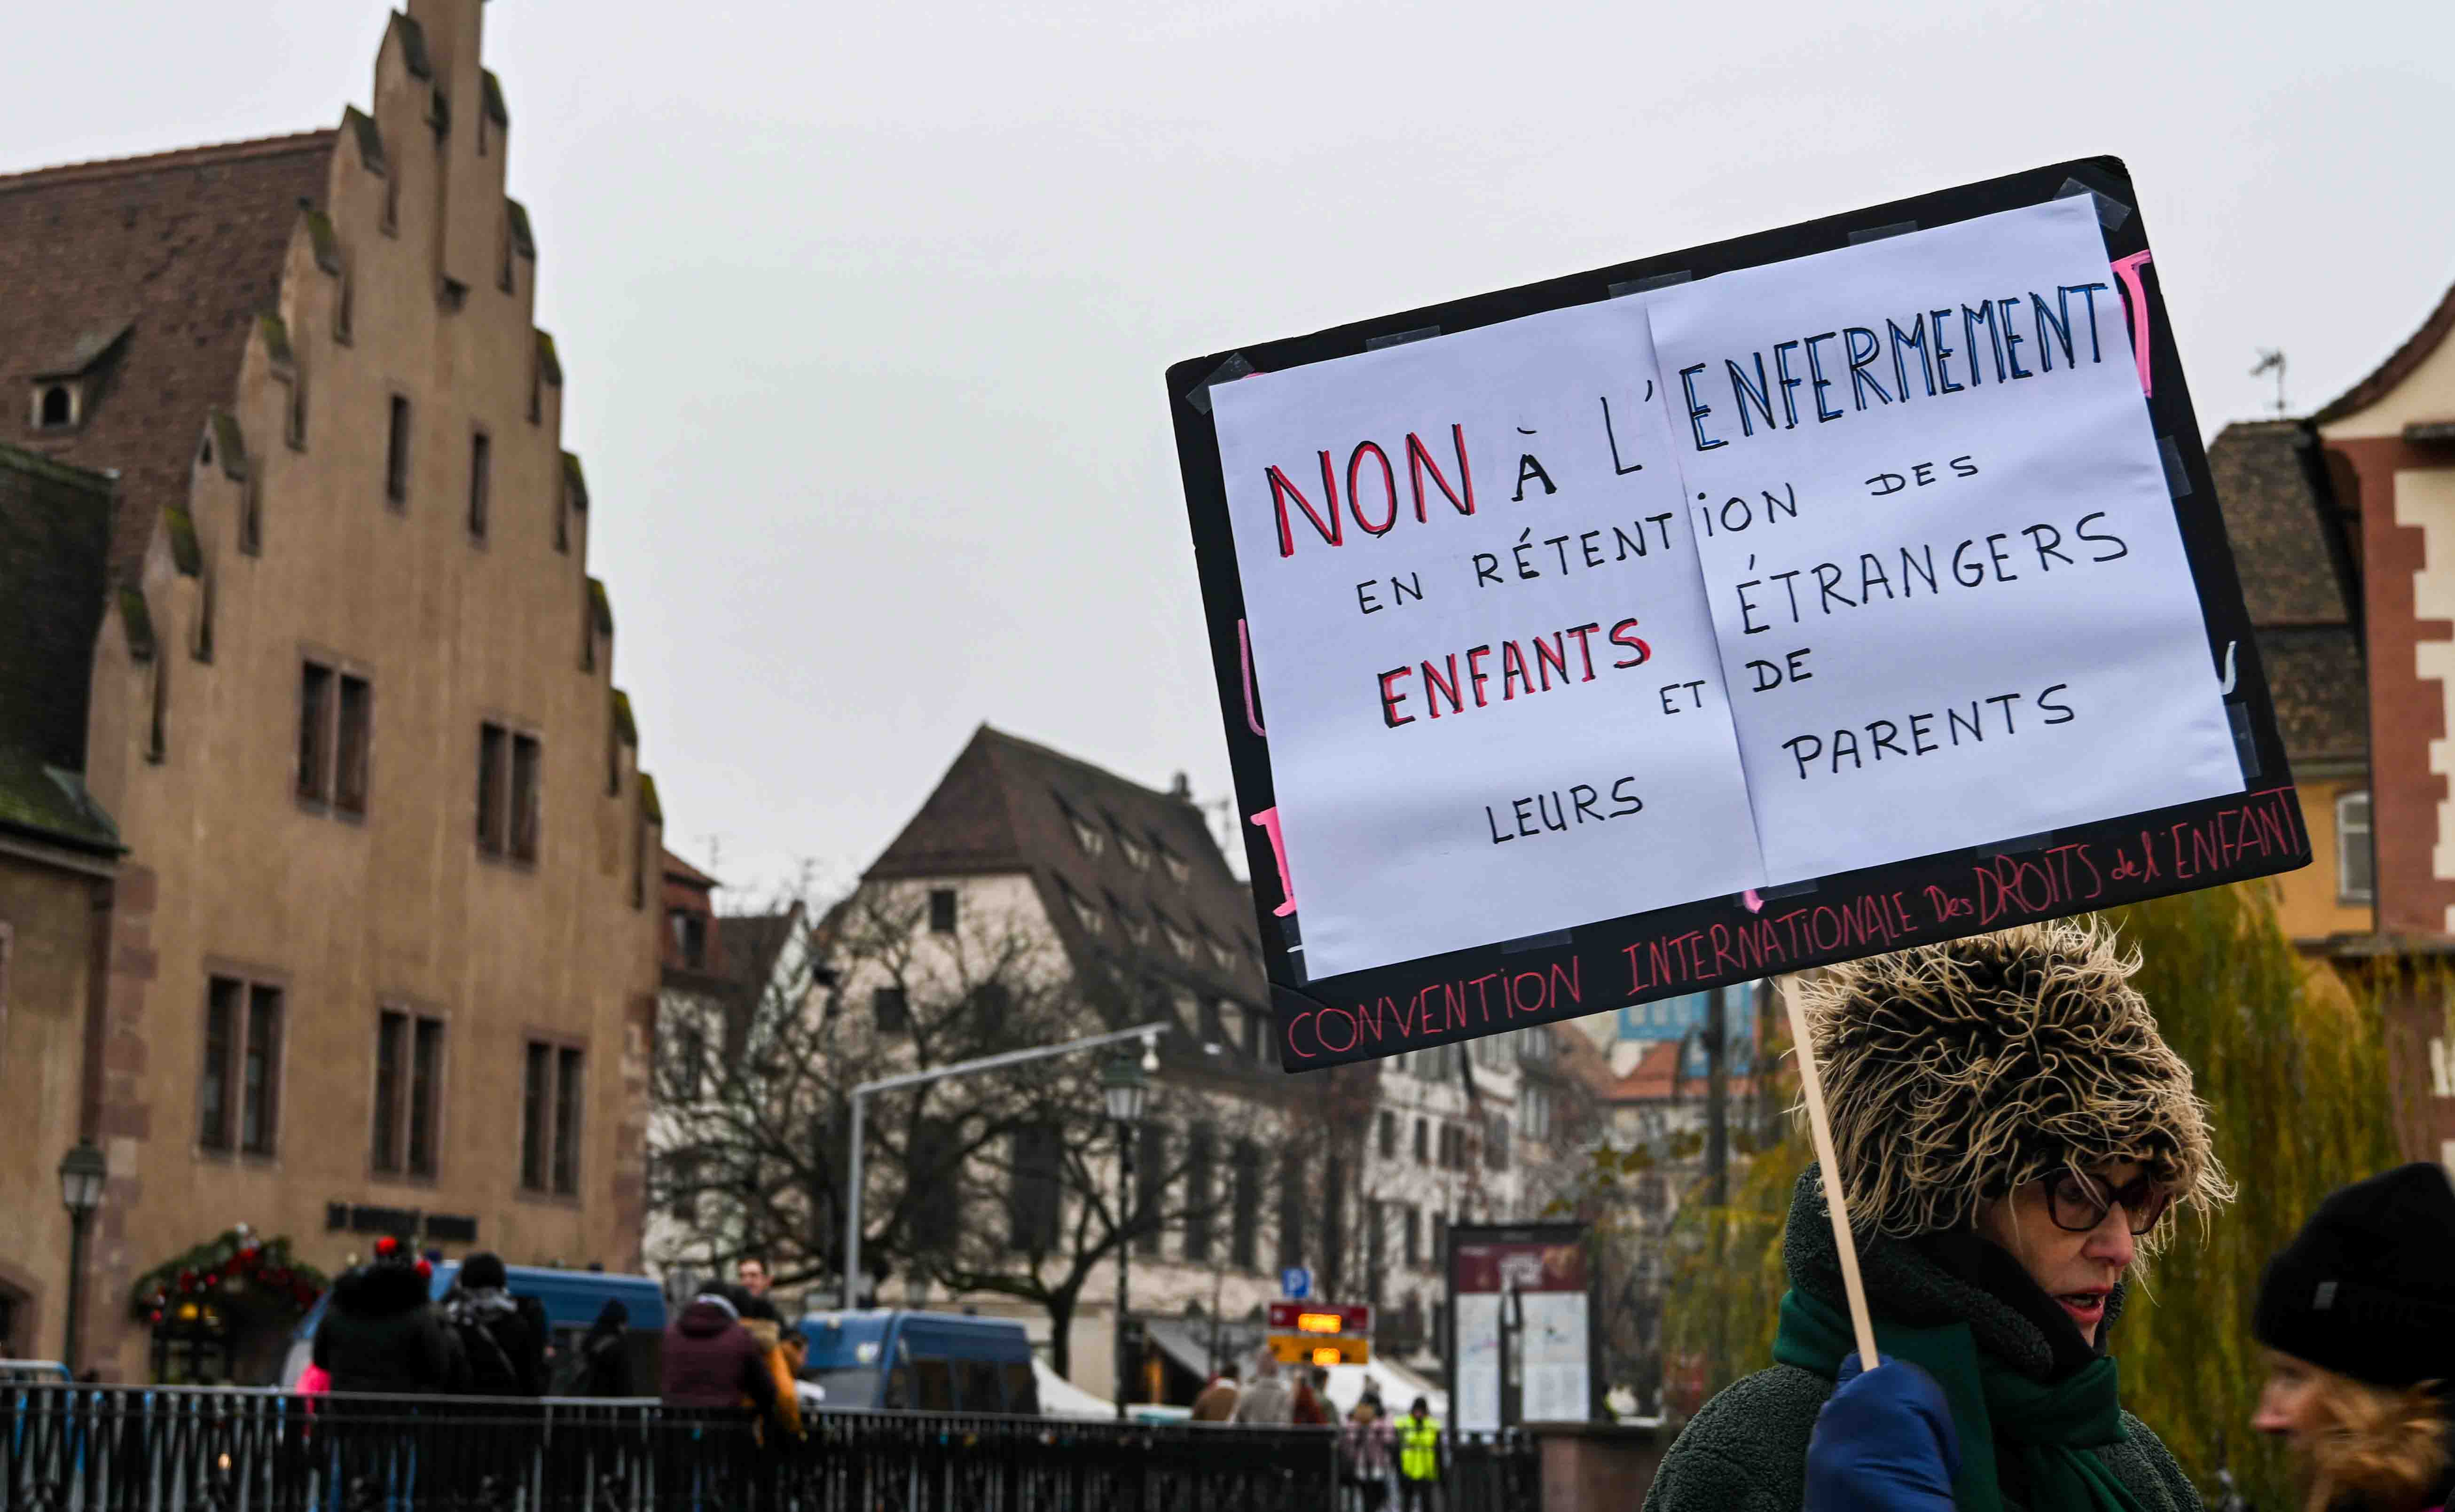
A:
(381, 952)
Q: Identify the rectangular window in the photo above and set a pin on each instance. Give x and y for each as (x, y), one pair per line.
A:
(1389, 1136)
(552, 1093)
(1423, 1149)
(535, 1089)
(1291, 1211)
(222, 998)
(935, 1165)
(350, 753)
(1243, 1237)
(425, 1095)
(1495, 1142)
(1412, 1225)
(890, 1009)
(941, 911)
(315, 726)
(396, 453)
(1201, 1191)
(2356, 861)
(494, 764)
(260, 1087)
(528, 768)
(1150, 1186)
(392, 1058)
(1375, 1249)
(566, 1121)
(1031, 1198)
(480, 465)
(1440, 1241)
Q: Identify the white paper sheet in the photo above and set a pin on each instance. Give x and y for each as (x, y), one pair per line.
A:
(1557, 1376)
(2058, 671)
(1555, 792)
(1479, 1363)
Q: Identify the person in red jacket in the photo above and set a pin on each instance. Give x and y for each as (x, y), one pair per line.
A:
(711, 1360)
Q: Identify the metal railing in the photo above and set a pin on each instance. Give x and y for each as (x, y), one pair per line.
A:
(124, 1449)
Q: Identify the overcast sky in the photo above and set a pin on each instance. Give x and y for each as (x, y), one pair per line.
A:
(863, 309)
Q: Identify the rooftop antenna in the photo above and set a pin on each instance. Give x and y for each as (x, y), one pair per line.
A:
(2272, 360)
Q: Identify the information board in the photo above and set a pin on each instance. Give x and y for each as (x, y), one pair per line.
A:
(1743, 608)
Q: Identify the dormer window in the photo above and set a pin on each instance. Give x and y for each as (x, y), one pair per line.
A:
(1137, 854)
(55, 406)
(1087, 835)
(1086, 912)
(1178, 939)
(1136, 928)
(1176, 864)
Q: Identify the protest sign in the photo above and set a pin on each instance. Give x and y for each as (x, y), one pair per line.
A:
(1840, 588)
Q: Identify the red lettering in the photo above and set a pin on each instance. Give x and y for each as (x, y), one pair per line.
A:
(1388, 487)
(1620, 636)
(1419, 462)
(1434, 683)
(1332, 529)
(1321, 1022)
(1513, 665)
(1552, 657)
(1390, 702)
(1567, 980)
(1517, 1003)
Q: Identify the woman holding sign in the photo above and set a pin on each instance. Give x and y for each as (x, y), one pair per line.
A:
(2358, 1315)
(2010, 1133)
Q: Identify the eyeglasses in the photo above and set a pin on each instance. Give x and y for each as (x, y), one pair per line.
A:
(2079, 1204)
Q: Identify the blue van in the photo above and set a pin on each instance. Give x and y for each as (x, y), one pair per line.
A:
(921, 1362)
(572, 1300)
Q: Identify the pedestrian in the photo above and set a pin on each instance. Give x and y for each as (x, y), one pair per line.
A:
(1419, 1457)
(2358, 1315)
(750, 1274)
(502, 1340)
(710, 1359)
(381, 1334)
(808, 1395)
(1310, 1409)
(767, 1328)
(2012, 1133)
(1216, 1402)
(1267, 1402)
(600, 1364)
(1366, 1448)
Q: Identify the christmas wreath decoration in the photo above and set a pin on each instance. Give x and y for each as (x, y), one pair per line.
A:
(235, 1267)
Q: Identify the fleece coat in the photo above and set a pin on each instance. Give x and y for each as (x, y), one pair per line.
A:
(1746, 1451)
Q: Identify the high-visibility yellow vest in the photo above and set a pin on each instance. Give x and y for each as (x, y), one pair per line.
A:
(1419, 1448)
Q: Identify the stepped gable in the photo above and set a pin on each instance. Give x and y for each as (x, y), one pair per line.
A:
(144, 275)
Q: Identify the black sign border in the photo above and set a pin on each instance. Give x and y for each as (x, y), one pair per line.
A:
(1689, 947)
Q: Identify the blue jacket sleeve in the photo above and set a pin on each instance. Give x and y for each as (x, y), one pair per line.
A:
(1884, 1443)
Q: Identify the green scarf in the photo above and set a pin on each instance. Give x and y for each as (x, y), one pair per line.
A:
(2050, 1428)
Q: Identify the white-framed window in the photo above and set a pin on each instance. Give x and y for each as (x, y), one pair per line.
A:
(2356, 861)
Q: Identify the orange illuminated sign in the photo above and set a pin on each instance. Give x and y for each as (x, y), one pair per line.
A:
(1320, 1322)
(1330, 1356)
(1311, 1349)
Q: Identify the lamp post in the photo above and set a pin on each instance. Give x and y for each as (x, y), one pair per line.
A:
(83, 1171)
(1123, 1084)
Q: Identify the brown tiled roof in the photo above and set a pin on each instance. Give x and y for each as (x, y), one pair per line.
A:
(1655, 1078)
(2277, 524)
(678, 870)
(1008, 805)
(185, 249)
(2397, 367)
(2299, 584)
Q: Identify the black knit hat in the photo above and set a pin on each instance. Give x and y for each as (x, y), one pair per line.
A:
(484, 1268)
(2367, 1289)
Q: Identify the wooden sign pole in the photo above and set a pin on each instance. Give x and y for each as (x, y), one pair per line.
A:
(1811, 1087)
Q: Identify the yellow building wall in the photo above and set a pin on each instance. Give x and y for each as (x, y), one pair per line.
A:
(2307, 903)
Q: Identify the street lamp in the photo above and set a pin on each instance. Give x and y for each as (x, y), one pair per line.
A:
(1123, 1084)
(83, 1171)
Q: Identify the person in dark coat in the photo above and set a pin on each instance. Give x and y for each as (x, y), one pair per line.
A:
(2012, 1133)
(502, 1338)
(711, 1362)
(602, 1363)
(381, 1332)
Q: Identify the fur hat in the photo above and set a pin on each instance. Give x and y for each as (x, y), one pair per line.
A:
(1958, 1071)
